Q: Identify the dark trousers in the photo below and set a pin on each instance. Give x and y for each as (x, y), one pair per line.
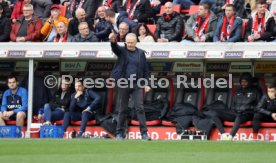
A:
(214, 116)
(137, 96)
(258, 117)
(237, 118)
(77, 116)
(52, 114)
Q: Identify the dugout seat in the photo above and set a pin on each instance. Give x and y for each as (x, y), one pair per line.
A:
(154, 94)
(193, 96)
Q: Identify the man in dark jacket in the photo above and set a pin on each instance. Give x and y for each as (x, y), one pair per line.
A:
(229, 27)
(200, 27)
(266, 109)
(138, 10)
(74, 23)
(5, 27)
(85, 35)
(131, 62)
(6, 8)
(113, 4)
(116, 19)
(83, 106)
(242, 108)
(220, 5)
(169, 26)
(27, 28)
(54, 111)
(102, 27)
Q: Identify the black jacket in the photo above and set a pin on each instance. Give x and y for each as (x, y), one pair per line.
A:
(143, 10)
(57, 102)
(5, 29)
(270, 30)
(90, 38)
(6, 9)
(103, 29)
(123, 17)
(172, 29)
(122, 61)
(90, 7)
(245, 100)
(266, 105)
(73, 26)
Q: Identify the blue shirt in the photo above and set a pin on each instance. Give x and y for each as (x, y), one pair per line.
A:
(15, 102)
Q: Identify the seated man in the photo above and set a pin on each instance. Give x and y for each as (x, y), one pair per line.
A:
(200, 27)
(138, 10)
(123, 31)
(220, 5)
(49, 29)
(83, 106)
(14, 103)
(103, 28)
(5, 27)
(242, 108)
(54, 111)
(229, 27)
(85, 35)
(266, 109)
(62, 35)
(74, 23)
(169, 26)
(258, 24)
(27, 27)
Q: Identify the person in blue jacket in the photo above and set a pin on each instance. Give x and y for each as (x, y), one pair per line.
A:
(83, 106)
(229, 27)
(14, 103)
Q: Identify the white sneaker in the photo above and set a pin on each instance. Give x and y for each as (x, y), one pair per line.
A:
(48, 123)
(224, 136)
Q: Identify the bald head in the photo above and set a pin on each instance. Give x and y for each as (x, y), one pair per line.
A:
(101, 12)
(80, 14)
(168, 8)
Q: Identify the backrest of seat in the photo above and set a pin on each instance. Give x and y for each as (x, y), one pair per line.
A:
(103, 93)
(220, 94)
(190, 95)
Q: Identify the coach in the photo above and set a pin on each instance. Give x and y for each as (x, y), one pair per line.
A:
(131, 61)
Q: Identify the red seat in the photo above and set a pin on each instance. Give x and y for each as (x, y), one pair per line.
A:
(152, 28)
(77, 123)
(168, 123)
(193, 9)
(148, 123)
(63, 10)
(58, 122)
(230, 124)
(268, 124)
(11, 122)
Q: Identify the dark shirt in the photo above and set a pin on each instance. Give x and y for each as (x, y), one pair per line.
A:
(23, 29)
(133, 63)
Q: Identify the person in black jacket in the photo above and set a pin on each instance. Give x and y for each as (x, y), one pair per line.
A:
(83, 106)
(266, 109)
(5, 27)
(115, 19)
(138, 10)
(54, 111)
(242, 108)
(169, 26)
(6, 9)
(131, 62)
(74, 23)
(102, 27)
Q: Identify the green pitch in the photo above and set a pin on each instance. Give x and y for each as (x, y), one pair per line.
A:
(111, 151)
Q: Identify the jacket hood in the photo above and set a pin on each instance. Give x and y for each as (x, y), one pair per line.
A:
(248, 77)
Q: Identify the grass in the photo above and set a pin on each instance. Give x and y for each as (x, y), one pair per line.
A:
(110, 151)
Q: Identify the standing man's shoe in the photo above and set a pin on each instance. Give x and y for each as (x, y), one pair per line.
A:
(119, 136)
(145, 136)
